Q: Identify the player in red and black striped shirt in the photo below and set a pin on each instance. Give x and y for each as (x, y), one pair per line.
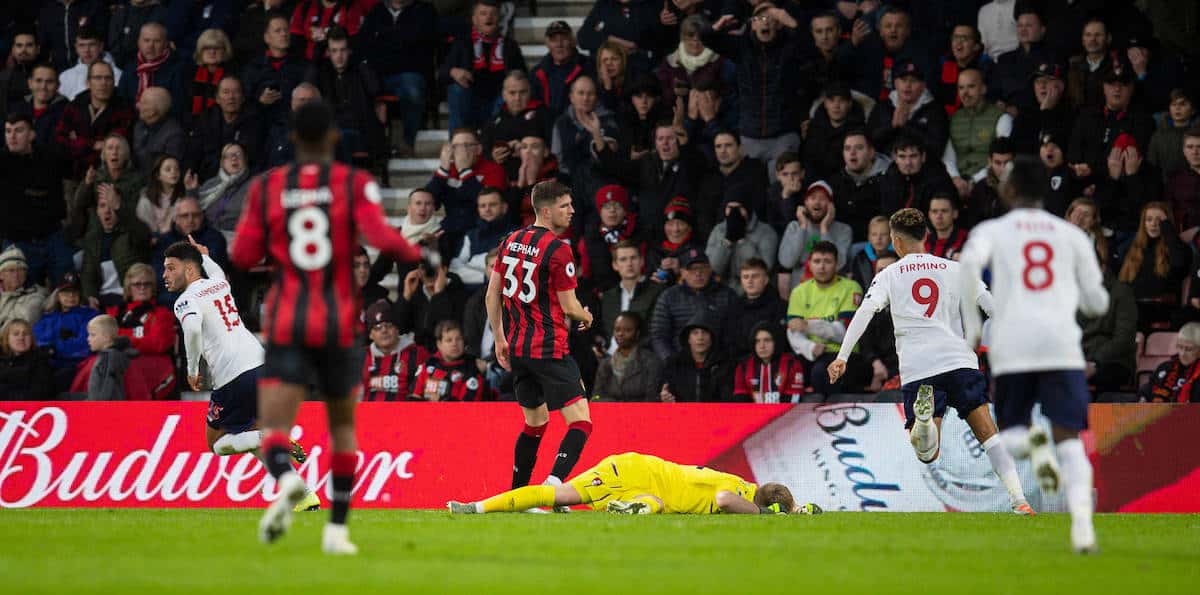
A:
(389, 368)
(529, 297)
(451, 374)
(305, 218)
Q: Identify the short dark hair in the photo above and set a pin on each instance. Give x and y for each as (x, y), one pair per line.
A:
(464, 130)
(444, 327)
(43, 65)
(29, 30)
(944, 195)
(272, 16)
(490, 190)
(185, 252)
(786, 158)
(88, 32)
(664, 123)
(17, 117)
(824, 247)
(755, 262)
(337, 33)
(889, 253)
(858, 131)
(908, 222)
(1193, 132)
(546, 194)
(1002, 145)
(728, 132)
(312, 122)
(974, 31)
(976, 70)
(637, 319)
(906, 140)
(1027, 180)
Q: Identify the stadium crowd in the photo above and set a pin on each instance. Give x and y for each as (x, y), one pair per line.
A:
(733, 165)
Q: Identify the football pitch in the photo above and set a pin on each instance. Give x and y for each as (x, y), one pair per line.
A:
(429, 552)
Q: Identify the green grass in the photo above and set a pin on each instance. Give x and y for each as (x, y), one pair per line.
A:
(215, 551)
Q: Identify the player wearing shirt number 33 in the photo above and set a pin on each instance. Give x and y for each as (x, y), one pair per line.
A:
(529, 297)
(937, 369)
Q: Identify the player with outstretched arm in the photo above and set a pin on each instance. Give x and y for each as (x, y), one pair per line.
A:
(1044, 271)
(305, 219)
(530, 295)
(212, 328)
(937, 369)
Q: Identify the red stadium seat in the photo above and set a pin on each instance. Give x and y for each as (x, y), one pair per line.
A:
(1160, 344)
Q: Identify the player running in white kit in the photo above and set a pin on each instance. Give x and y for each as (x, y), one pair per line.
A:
(1044, 271)
(212, 327)
(937, 369)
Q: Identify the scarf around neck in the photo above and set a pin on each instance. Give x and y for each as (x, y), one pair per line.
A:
(613, 235)
(494, 63)
(204, 88)
(209, 197)
(691, 63)
(146, 70)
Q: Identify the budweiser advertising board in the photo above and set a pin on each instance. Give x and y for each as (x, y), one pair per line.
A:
(418, 455)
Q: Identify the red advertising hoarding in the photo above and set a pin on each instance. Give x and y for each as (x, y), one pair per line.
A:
(418, 455)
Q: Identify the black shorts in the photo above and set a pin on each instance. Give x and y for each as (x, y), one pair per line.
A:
(233, 408)
(555, 383)
(334, 371)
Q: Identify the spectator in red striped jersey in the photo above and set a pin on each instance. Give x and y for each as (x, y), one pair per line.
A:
(770, 375)
(946, 238)
(451, 374)
(393, 359)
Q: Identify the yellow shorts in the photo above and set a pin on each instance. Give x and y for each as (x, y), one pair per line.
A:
(616, 477)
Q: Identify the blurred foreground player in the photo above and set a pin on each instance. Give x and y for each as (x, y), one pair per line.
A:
(305, 218)
(529, 297)
(633, 483)
(937, 368)
(212, 328)
(1043, 271)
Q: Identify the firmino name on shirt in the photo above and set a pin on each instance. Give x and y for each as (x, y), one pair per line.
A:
(296, 198)
(524, 249)
(922, 266)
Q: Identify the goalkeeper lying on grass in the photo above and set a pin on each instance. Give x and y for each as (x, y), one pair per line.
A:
(632, 483)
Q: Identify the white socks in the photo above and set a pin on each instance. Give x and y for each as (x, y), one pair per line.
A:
(552, 481)
(1016, 439)
(231, 444)
(925, 440)
(1005, 468)
(1077, 479)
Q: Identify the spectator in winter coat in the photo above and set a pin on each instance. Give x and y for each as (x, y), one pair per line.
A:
(1183, 191)
(739, 238)
(89, 45)
(222, 196)
(877, 55)
(736, 176)
(399, 39)
(115, 177)
(698, 293)
(353, 90)
(1109, 342)
(462, 172)
(116, 240)
(631, 24)
(1155, 263)
(44, 104)
(33, 204)
(519, 116)
(633, 293)
(63, 328)
(492, 226)
(269, 78)
(1178, 379)
(201, 75)
(770, 374)
(127, 21)
(60, 20)
(913, 178)
(187, 20)
(149, 326)
(156, 133)
(663, 258)
(1098, 130)
(16, 300)
(313, 21)
(759, 303)
(231, 120)
(92, 117)
(910, 109)
(474, 67)
(1049, 112)
(669, 170)
(786, 193)
(1010, 78)
(155, 65)
(699, 371)
(767, 56)
(857, 184)
(837, 114)
(945, 238)
(616, 223)
(105, 374)
(1166, 144)
(552, 77)
(692, 63)
(984, 202)
(966, 53)
(814, 223)
(584, 129)
(25, 372)
(427, 298)
(631, 372)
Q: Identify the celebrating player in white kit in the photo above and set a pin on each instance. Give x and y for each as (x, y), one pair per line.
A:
(1043, 271)
(937, 368)
(212, 327)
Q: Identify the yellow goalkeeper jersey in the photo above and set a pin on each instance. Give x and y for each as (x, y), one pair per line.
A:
(683, 489)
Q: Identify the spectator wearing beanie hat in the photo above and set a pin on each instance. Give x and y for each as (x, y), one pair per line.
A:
(739, 237)
(16, 300)
(393, 357)
(615, 224)
(814, 223)
(678, 236)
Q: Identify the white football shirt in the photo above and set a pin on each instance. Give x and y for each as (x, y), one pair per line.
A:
(228, 347)
(1044, 270)
(924, 292)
